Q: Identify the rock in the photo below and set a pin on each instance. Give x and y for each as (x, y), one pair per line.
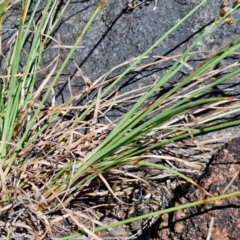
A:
(221, 176)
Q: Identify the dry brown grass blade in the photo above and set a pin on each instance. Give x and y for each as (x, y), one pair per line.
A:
(175, 159)
(96, 110)
(81, 226)
(106, 184)
(27, 74)
(232, 180)
(198, 186)
(41, 207)
(46, 80)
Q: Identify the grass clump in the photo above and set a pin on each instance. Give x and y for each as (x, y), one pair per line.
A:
(55, 168)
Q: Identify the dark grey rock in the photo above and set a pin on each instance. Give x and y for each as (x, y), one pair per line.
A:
(118, 35)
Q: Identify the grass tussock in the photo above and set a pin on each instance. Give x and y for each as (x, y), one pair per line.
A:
(71, 169)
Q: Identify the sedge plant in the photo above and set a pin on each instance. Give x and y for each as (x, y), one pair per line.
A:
(46, 160)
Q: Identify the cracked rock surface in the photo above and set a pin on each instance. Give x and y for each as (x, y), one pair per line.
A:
(221, 176)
